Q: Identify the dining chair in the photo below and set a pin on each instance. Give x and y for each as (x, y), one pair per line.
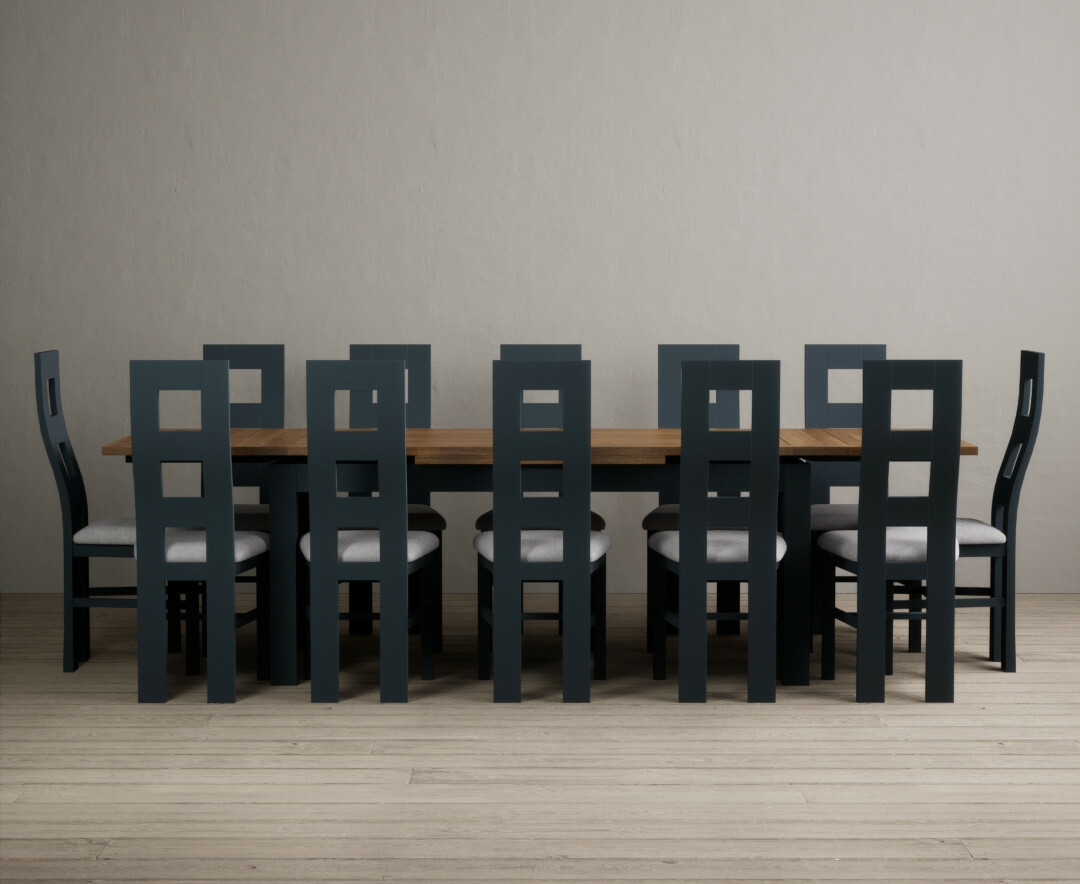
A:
(721, 537)
(996, 539)
(268, 411)
(358, 493)
(541, 529)
(899, 538)
(422, 516)
(723, 413)
(190, 539)
(82, 539)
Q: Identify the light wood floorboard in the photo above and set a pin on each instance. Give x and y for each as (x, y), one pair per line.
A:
(451, 787)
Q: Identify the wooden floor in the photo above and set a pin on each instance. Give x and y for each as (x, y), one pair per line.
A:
(452, 787)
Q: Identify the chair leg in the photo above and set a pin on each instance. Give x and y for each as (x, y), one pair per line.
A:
(71, 661)
(428, 619)
(890, 624)
(1007, 580)
(221, 640)
(188, 602)
(360, 602)
(174, 608)
(598, 582)
(915, 605)
(262, 622)
(437, 583)
(81, 616)
(997, 615)
(826, 583)
(657, 581)
(483, 627)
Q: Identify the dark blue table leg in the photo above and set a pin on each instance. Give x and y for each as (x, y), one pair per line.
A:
(796, 638)
(284, 533)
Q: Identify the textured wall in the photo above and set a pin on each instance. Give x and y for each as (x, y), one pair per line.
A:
(612, 173)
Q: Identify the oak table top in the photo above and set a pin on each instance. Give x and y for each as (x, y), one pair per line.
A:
(446, 447)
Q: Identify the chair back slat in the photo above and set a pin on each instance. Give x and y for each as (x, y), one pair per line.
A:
(353, 462)
(541, 414)
(821, 411)
(269, 411)
(883, 445)
(1025, 431)
(54, 435)
(745, 461)
(153, 446)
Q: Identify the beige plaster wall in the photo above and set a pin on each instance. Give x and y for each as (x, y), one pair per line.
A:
(617, 174)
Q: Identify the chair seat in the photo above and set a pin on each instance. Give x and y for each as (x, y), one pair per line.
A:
(972, 532)
(538, 545)
(251, 516)
(425, 518)
(188, 545)
(834, 517)
(902, 544)
(662, 518)
(107, 532)
(362, 545)
(722, 545)
(486, 521)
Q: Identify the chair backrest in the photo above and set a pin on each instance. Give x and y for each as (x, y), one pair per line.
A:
(820, 411)
(883, 445)
(1025, 430)
(724, 412)
(417, 359)
(69, 481)
(269, 411)
(153, 446)
(269, 360)
(724, 463)
(564, 455)
(541, 414)
(366, 462)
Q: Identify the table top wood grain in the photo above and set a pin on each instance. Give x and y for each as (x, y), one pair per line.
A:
(441, 446)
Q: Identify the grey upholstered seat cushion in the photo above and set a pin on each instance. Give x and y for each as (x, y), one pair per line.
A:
(902, 544)
(486, 521)
(972, 532)
(424, 518)
(107, 532)
(662, 518)
(362, 545)
(189, 545)
(542, 545)
(834, 517)
(722, 545)
(251, 516)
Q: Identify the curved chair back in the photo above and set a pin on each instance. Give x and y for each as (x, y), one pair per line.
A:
(54, 434)
(820, 411)
(1006, 499)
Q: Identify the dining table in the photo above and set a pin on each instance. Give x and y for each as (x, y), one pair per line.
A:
(641, 459)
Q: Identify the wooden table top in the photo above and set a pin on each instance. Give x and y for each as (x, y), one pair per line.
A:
(446, 447)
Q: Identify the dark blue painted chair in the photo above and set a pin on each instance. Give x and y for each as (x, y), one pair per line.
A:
(899, 539)
(191, 540)
(422, 517)
(537, 537)
(82, 539)
(996, 538)
(721, 537)
(358, 493)
(723, 413)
